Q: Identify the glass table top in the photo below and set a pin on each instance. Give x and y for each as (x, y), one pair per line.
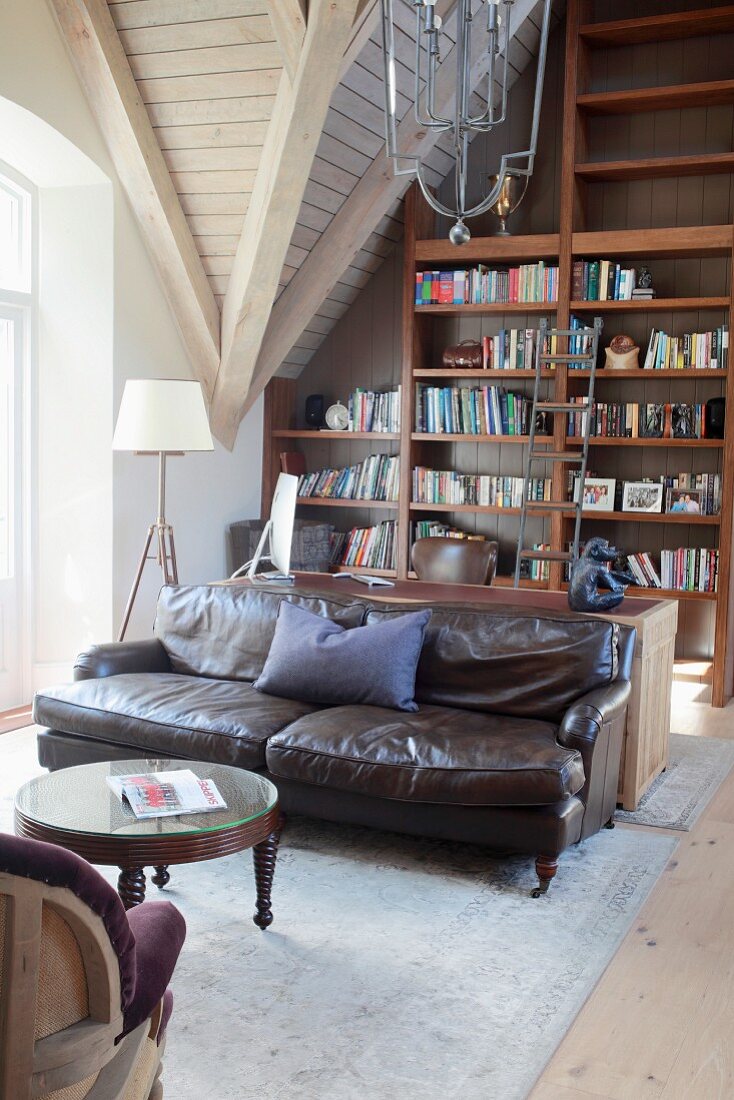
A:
(80, 800)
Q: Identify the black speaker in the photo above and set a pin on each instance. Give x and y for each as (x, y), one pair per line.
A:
(315, 410)
(715, 417)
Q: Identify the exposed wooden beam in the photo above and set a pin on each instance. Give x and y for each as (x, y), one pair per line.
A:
(293, 135)
(103, 69)
(289, 23)
(348, 231)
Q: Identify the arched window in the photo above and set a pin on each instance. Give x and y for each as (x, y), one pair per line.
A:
(16, 298)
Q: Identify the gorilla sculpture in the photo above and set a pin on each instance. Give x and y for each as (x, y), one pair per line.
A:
(588, 575)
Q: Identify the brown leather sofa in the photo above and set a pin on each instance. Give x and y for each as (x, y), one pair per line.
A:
(516, 743)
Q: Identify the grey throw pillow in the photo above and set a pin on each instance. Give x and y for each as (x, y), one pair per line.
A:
(317, 661)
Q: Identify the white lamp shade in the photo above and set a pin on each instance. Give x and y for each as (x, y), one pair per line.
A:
(162, 414)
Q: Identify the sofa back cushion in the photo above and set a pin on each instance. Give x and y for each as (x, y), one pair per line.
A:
(224, 632)
(508, 661)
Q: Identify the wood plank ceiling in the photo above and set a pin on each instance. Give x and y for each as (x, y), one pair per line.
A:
(208, 72)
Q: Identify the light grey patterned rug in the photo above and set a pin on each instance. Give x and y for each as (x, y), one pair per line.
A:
(395, 967)
(675, 800)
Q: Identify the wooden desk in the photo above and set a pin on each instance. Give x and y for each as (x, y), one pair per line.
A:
(645, 749)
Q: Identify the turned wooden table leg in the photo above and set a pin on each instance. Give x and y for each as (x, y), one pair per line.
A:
(546, 867)
(264, 856)
(161, 877)
(131, 886)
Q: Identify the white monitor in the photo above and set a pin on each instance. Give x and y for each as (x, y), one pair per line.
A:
(275, 541)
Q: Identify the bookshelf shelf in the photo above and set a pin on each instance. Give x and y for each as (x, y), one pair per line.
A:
(460, 437)
(651, 305)
(471, 509)
(711, 93)
(509, 582)
(685, 375)
(659, 28)
(325, 436)
(637, 592)
(648, 517)
(345, 502)
(613, 441)
(449, 310)
(476, 372)
(648, 168)
(537, 246)
(675, 242)
(388, 573)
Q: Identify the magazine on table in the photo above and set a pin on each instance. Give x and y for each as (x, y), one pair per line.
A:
(165, 794)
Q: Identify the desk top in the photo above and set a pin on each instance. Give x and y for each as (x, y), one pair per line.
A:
(424, 592)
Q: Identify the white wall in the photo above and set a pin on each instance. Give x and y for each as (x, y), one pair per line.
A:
(206, 491)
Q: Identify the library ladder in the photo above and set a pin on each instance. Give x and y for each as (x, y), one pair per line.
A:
(546, 356)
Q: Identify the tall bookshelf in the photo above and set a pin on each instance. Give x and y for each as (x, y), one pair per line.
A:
(692, 264)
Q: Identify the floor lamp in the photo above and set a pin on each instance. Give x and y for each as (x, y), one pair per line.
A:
(163, 416)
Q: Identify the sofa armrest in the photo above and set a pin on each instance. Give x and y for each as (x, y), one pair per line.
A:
(115, 658)
(595, 725)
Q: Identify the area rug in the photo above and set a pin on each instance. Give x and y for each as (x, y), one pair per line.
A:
(677, 797)
(395, 967)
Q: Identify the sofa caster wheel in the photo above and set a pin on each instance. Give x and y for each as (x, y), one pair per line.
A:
(610, 824)
(546, 867)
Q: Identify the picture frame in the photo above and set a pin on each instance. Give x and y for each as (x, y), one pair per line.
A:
(642, 496)
(598, 494)
(679, 501)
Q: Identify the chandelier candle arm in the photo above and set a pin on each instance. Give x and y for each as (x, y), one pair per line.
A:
(463, 125)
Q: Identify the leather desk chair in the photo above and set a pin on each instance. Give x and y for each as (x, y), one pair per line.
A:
(83, 984)
(455, 561)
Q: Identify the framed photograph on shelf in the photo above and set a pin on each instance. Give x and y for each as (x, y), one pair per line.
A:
(598, 495)
(685, 500)
(642, 496)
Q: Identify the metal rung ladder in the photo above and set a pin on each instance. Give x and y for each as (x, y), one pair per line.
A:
(544, 355)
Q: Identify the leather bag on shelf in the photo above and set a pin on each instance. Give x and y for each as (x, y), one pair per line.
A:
(466, 354)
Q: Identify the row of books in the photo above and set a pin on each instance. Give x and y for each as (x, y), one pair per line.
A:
(483, 285)
(433, 529)
(376, 478)
(601, 281)
(510, 349)
(692, 350)
(629, 420)
(687, 569)
(371, 411)
(461, 410)
(366, 547)
(535, 570)
(450, 487)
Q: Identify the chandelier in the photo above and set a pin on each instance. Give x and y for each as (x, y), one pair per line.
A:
(491, 54)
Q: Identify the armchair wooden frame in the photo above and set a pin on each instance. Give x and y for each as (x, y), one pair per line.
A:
(32, 1068)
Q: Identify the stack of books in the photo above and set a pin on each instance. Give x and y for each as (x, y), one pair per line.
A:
(433, 529)
(483, 285)
(692, 350)
(484, 490)
(377, 478)
(461, 410)
(366, 547)
(602, 281)
(370, 411)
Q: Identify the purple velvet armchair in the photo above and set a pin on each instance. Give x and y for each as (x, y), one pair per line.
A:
(84, 998)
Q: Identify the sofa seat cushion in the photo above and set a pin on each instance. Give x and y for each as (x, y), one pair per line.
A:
(438, 754)
(221, 721)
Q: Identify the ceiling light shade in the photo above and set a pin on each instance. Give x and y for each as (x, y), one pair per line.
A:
(478, 54)
(162, 414)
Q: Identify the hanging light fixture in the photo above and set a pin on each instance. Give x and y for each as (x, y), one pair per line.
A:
(462, 125)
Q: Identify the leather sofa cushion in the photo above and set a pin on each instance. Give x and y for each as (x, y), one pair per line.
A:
(438, 755)
(219, 721)
(510, 662)
(225, 632)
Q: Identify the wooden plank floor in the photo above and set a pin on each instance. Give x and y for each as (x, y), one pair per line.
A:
(15, 719)
(660, 1023)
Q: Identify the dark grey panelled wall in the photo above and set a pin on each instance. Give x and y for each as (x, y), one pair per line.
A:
(364, 348)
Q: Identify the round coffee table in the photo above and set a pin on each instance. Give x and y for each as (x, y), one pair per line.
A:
(76, 809)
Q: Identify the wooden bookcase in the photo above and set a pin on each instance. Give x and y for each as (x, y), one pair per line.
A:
(685, 302)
